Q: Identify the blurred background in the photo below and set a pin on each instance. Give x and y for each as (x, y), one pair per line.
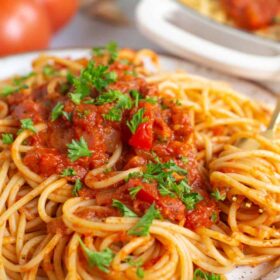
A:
(239, 37)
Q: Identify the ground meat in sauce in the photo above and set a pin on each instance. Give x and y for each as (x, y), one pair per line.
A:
(170, 138)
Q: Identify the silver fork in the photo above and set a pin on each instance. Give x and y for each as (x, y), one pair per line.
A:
(250, 144)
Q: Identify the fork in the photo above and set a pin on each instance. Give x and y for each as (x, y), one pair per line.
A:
(250, 144)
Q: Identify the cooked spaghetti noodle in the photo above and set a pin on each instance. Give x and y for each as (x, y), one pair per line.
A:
(121, 172)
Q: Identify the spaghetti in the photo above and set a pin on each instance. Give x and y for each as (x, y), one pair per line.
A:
(110, 170)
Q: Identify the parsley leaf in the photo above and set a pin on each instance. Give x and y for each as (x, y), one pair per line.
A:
(111, 49)
(102, 259)
(136, 120)
(217, 195)
(151, 99)
(27, 124)
(123, 103)
(67, 116)
(8, 90)
(126, 212)
(137, 264)
(134, 191)
(48, 70)
(78, 185)
(162, 173)
(57, 111)
(136, 95)
(108, 97)
(68, 172)
(214, 217)
(7, 138)
(191, 199)
(92, 76)
(201, 275)
(20, 79)
(78, 149)
(143, 226)
(140, 272)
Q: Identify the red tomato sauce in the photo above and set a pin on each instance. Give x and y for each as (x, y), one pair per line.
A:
(166, 133)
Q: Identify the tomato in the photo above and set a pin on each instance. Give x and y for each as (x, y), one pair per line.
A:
(251, 14)
(24, 26)
(60, 11)
(201, 215)
(143, 137)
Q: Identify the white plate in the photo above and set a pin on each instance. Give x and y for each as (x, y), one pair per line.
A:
(21, 64)
(189, 35)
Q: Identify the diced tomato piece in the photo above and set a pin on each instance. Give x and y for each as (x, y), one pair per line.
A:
(173, 208)
(148, 193)
(201, 215)
(143, 137)
(44, 161)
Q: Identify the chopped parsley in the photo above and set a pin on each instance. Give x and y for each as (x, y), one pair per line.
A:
(8, 90)
(136, 120)
(134, 191)
(136, 263)
(191, 199)
(151, 99)
(126, 212)
(57, 111)
(123, 103)
(201, 275)
(136, 95)
(67, 116)
(143, 225)
(163, 174)
(108, 97)
(92, 76)
(111, 49)
(27, 124)
(48, 70)
(102, 259)
(184, 159)
(78, 149)
(7, 138)
(78, 185)
(68, 172)
(214, 217)
(217, 195)
(19, 80)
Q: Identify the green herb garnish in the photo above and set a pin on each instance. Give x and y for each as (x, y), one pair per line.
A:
(143, 225)
(111, 49)
(201, 275)
(78, 185)
(217, 195)
(102, 259)
(8, 90)
(78, 149)
(92, 76)
(126, 212)
(57, 111)
(136, 120)
(27, 124)
(134, 191)
(68, 172)
(7, 138)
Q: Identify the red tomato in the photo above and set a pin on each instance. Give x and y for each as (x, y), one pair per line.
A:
(201, 215)
(24, 26)
(143, 137)
(251, 14)
(60, 11)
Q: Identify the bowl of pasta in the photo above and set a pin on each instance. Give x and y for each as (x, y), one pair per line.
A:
(123, 164)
